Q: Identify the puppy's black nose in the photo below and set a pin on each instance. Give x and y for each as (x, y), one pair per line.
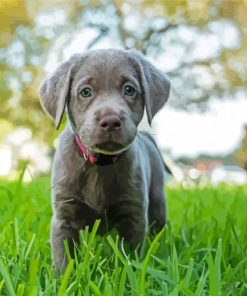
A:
(110, 122)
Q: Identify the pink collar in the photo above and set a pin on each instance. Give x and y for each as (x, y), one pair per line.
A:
(100, 159)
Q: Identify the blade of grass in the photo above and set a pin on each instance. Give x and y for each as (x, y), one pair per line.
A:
(214, 270)
(107, 289)
(146, 260)
(30, 246)
(116, 250)
(16, 236)
(7, 279)
(94, 289)
(201, 283)
(189, 273)
(22, 171)
(21, 290)
(186, 291)
(65, 280)
(32, 276)
(122, 281)
(132, 277)
(212, 284)
(175, 271)
(90, 243)
(1, 285)
(217, 266)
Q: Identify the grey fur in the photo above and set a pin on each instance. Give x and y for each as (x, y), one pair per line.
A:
(129, 194)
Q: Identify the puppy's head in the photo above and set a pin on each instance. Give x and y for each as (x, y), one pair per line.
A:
(105, 92)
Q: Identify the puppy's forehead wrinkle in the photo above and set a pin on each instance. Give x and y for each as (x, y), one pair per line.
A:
(106, 68)
(87, 80)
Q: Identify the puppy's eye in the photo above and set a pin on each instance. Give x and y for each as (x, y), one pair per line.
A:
(129, 91)
(86, 92)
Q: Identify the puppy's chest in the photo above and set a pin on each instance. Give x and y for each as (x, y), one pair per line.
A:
(98, 187)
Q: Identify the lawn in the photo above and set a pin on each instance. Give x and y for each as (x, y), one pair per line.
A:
(202, 250)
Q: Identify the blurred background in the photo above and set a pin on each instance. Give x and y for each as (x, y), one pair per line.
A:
(201, 45)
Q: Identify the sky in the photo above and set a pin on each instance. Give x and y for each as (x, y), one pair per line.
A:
(217, 131)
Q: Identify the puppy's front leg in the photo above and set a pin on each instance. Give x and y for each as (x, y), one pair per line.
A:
(61, 231)
(130, 219)
(68, 219)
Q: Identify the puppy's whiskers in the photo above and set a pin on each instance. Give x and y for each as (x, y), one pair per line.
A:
(63, 201)
(53, 186)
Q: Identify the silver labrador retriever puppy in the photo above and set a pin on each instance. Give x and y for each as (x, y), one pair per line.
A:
(103, 168)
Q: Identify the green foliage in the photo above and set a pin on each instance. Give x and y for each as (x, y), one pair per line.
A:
(202, 250)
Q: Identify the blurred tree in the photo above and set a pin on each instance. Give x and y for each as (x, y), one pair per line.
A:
(241, 154)
(201, 44)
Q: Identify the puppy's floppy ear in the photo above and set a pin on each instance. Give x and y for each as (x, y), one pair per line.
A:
(155, 84)
(55, 90)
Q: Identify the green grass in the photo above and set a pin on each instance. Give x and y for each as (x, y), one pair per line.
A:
(202, 250)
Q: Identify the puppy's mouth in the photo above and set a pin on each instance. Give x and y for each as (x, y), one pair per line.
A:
(109, 148)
